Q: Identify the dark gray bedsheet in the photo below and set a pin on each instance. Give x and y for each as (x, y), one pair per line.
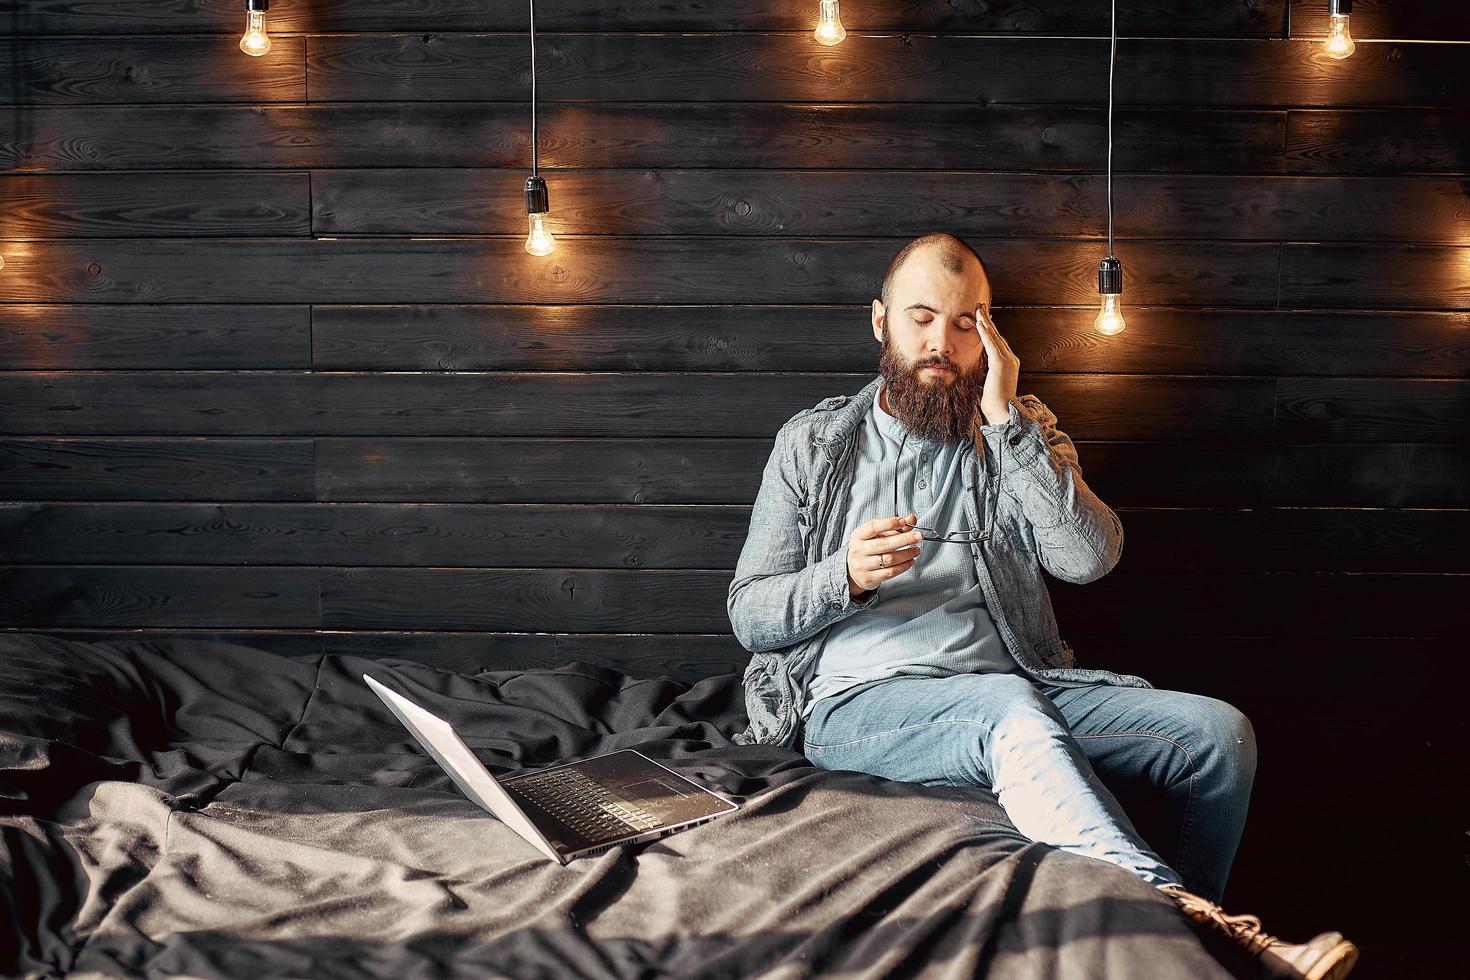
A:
(208, 810)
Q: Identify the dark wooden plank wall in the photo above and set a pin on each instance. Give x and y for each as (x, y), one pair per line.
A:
(275, 368)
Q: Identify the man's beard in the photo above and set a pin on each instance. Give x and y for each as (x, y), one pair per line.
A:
(942, 411)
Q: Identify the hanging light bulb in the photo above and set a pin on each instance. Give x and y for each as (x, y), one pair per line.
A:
(539, 241)
(1109, 319)
(1339, 42)
(1110, 285)
(829, 24)
(255, 42)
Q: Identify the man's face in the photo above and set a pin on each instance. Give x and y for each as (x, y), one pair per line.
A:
(933, 361)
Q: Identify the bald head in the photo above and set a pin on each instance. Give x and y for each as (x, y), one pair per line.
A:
(951, 253)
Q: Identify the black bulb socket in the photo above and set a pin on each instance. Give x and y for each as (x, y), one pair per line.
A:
(1110, 276)
(537, 200)
(1340, 6)
(257, 6)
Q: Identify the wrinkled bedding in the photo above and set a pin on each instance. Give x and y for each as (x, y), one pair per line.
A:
(202, 809)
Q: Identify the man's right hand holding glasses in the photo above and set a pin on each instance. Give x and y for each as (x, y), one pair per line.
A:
(878, 550)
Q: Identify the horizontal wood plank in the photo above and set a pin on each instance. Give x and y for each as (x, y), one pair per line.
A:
(641, 404)
(775, 135)
(771, 203)
(157, 469)
(655, 536)
(600, 470)
(1125, 473)
(1160, 17)
(637, 67)
(143, 205)
(602, 270)
(1378, 142)
(141, 596)
(55, 336)
(732, 269)
(141, 70)
(572, 136)
(1398, 276)
(1334, 409)
(548, 337)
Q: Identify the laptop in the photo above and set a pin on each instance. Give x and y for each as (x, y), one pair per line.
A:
(575, 809)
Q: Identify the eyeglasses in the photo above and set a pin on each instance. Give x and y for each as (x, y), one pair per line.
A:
(929, 533)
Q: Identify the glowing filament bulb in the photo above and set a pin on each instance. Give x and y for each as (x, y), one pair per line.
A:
(829, 27)
(1339, 41)
(255, 42)
(1110, 286)
(539, 241)
(1110, 317)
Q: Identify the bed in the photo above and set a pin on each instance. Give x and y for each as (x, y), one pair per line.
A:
(205, 809)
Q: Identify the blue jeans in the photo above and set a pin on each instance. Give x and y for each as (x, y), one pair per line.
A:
(1055, 755)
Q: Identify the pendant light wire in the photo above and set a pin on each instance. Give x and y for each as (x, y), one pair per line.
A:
(533, 88)
(1112, 59)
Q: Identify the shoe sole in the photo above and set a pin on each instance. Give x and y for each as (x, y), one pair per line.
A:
(1336, 964)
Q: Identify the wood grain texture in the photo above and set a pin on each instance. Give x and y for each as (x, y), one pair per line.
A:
(60, 336)
(1402, 276)
(1378, 142)
(1160, 17)
(129, 468)
(782, 337)
(143, 205)
(903, 67)
(973, 204)
(136, 70)
(662, 134)
(648, 403)
(149, 596)
(653, 536)
(603, 270)
(1126, 473)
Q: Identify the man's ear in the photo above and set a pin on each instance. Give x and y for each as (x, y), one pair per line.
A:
(878, 317)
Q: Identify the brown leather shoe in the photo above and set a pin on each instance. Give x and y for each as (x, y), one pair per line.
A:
(1327, 956)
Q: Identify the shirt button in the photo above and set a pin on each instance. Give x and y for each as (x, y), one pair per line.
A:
(923, 484)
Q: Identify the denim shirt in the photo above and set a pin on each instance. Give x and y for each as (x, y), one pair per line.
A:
(790, 581)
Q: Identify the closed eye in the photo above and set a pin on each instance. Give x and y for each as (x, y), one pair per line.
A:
(962, 324)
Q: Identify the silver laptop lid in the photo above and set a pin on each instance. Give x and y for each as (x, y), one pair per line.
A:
(441, 741)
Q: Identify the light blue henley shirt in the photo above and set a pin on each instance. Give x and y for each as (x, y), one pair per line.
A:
(931, 621)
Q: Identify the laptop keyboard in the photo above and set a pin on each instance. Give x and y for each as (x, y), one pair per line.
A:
(582, 804)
